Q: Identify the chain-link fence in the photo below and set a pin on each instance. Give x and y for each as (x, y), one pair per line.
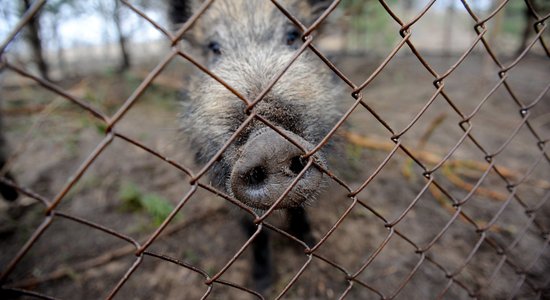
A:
(467, 218)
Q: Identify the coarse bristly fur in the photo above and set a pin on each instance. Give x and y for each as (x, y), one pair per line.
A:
(252, 38)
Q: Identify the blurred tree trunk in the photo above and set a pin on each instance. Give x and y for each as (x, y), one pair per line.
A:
(122, 40)
(528, 27)
(448, 30)
(491, 37)
(60, 53)
(33, 36)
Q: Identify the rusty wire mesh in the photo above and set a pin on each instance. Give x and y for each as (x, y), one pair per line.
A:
(521, 283)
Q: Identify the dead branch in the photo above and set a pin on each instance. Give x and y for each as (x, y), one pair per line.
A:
(451, 164)
(166, 81)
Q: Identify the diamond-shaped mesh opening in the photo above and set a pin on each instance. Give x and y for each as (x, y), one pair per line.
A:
(361, 242)
(175, 276)
(98, 275)
(394, 278)
(144, 194)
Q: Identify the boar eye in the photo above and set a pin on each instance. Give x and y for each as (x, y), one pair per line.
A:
(292, 36)
(215, 48)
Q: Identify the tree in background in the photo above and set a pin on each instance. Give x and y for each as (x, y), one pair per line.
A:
(121, 37)
(42, 33)
(112, 14)
(54, 13)
(33, 36)
(542, 7)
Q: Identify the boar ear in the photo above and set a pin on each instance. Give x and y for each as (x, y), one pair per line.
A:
(319, 6)
(180, 10)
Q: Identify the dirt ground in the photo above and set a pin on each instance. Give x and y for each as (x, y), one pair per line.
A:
(129, 190)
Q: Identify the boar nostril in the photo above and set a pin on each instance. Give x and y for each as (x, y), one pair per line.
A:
(256, 176)
(267, 165)
(297, 164)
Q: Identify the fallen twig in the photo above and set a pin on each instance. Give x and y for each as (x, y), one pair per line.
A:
(459, 182)
(24, 110)
(423, 141)
(167, 81)
(451, 165)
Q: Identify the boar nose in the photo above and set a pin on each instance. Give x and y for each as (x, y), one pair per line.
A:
(266, 167)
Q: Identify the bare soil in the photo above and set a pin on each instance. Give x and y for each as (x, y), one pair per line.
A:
(51, 138)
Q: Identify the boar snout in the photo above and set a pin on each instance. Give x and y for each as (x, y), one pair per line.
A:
(266, 167)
